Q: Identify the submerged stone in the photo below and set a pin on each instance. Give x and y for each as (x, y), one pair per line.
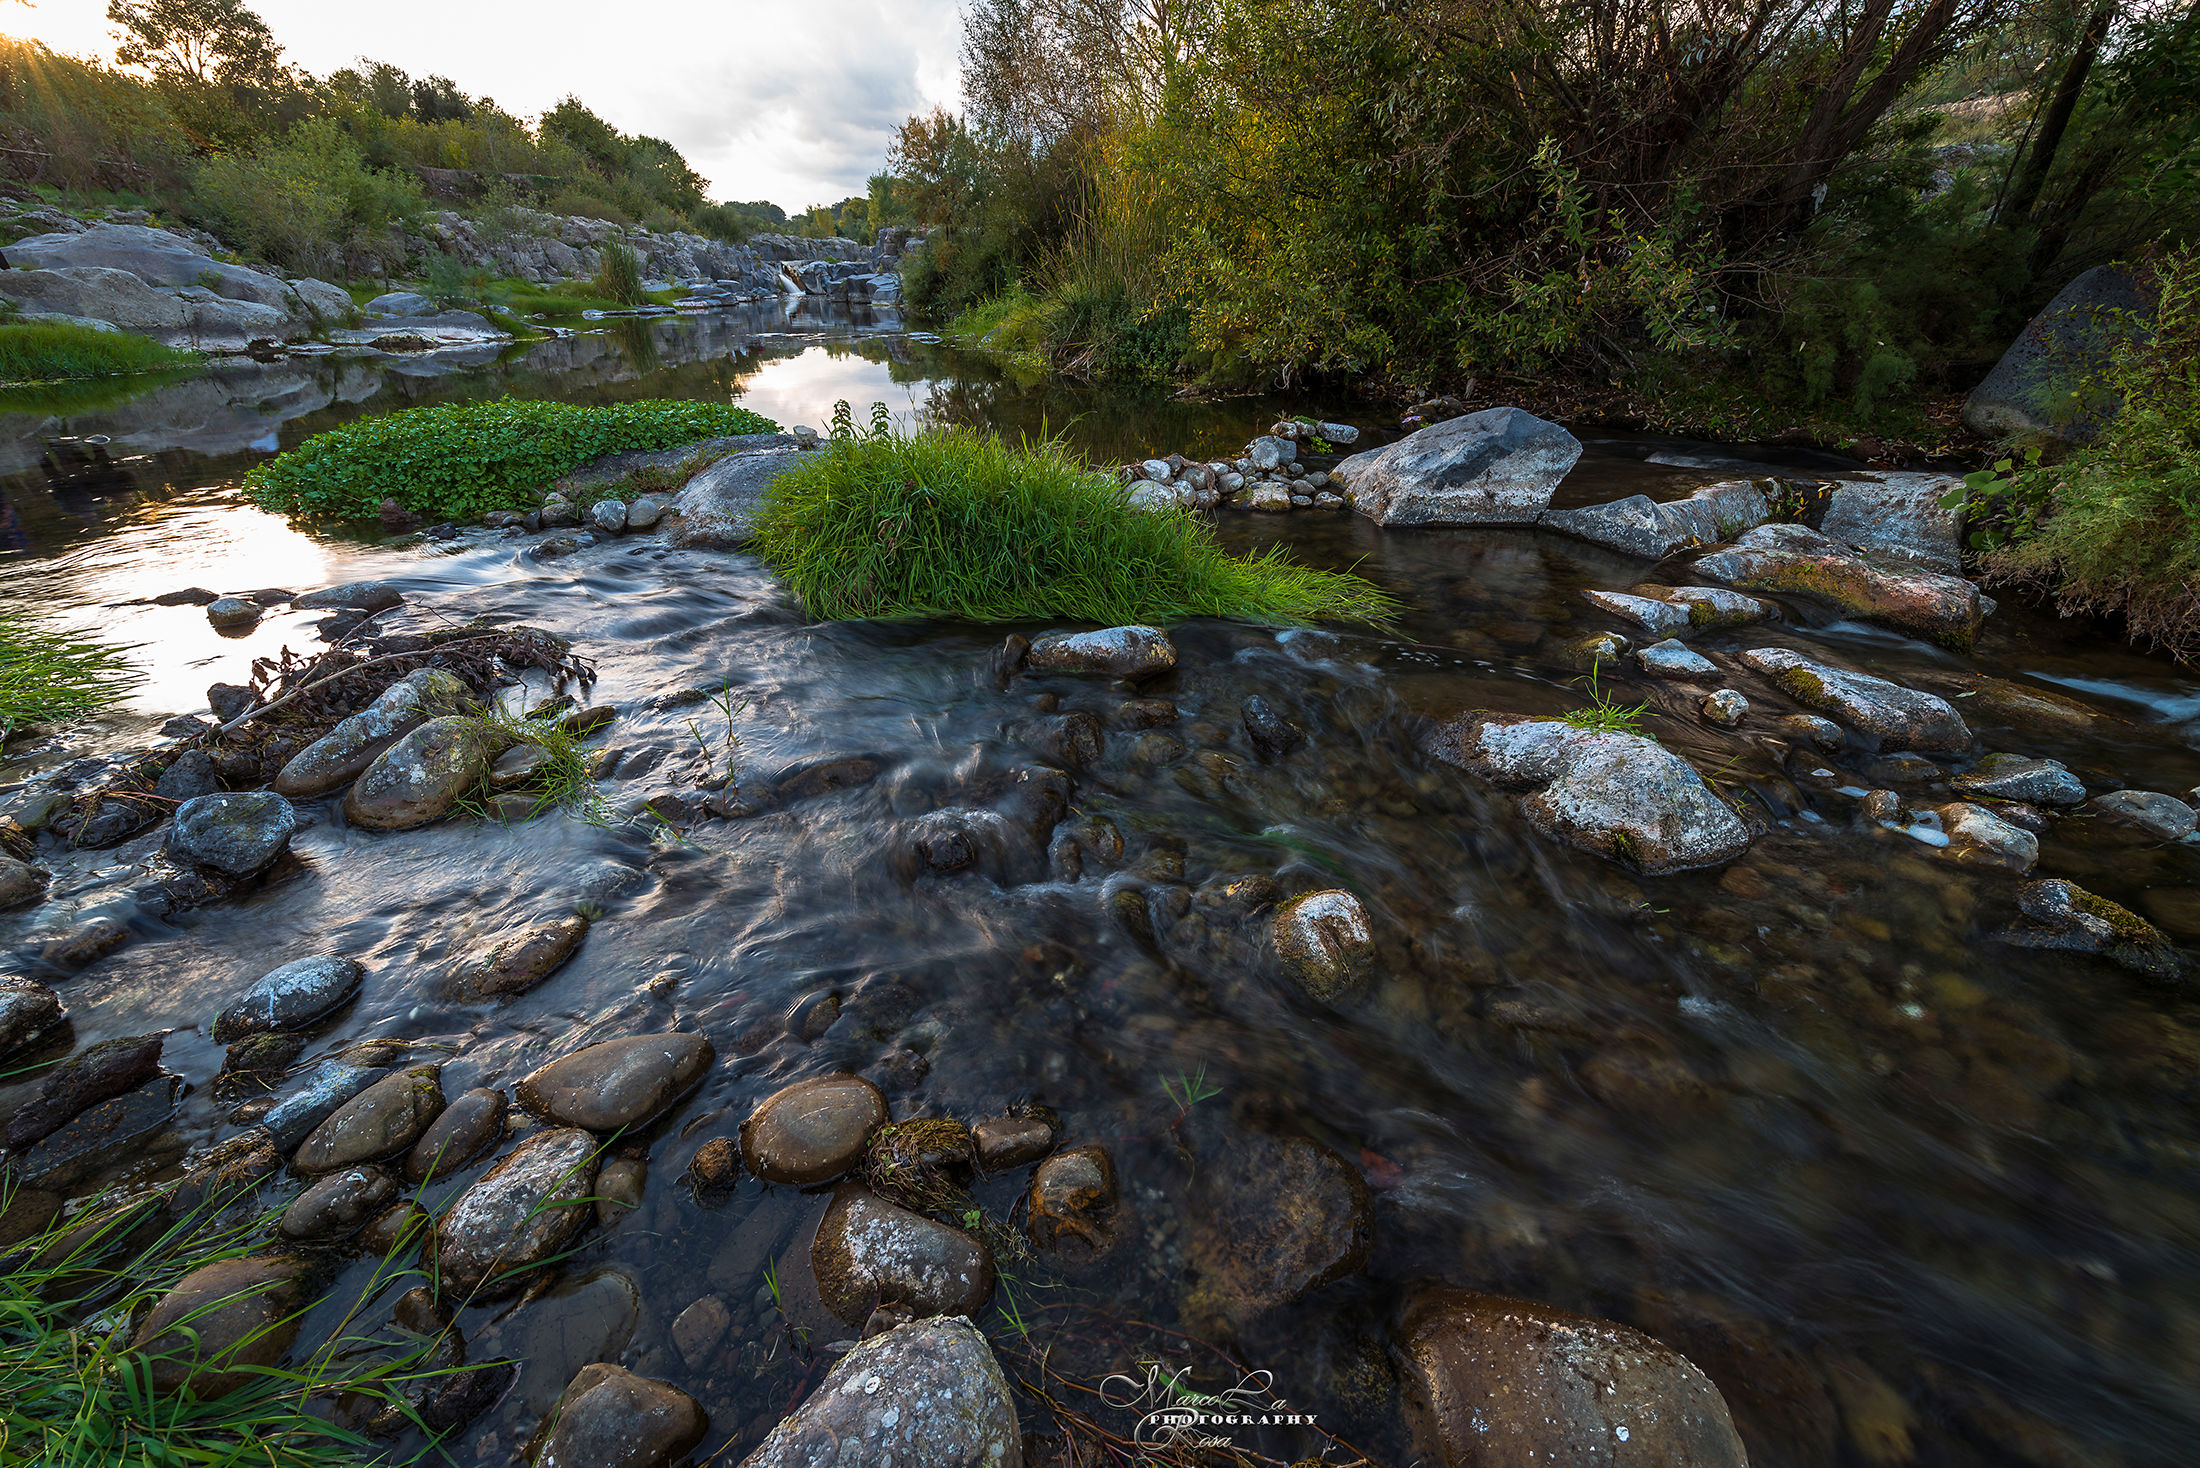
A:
(520, 1213)
(339, 1204)
(1275, 1219)
(1121, 652)
(1326, 943)
(618, 1083)
(105, 1070)
(2022, 777)
(1889, 712)
(516, 964)
(812, 1131)
(2163, 817)
(608, 1417)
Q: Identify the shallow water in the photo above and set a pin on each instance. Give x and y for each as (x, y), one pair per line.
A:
(1907, 1195)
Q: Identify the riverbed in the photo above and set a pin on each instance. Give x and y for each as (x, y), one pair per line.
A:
(1906, 1194)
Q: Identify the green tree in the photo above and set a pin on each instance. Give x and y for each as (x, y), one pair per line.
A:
(200, 42)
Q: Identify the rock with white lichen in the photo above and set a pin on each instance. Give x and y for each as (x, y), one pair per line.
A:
(926, 1393)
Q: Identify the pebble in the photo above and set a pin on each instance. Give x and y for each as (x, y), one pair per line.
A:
(1010, 1141)
(1073, 1201)
(1325, 942)
(20, 882)
(619, 1187)
(1725, 708)
(232, 611)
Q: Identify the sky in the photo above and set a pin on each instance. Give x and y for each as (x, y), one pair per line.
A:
(793, 101)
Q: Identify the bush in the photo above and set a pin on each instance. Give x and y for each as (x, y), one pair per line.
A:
(45, 676)
(619, 275)
(302, 202)
(46, 351)
(958, 524)
(454, 461)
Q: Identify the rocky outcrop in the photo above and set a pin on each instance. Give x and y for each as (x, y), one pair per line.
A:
(1621, 796)
(1644, 527)
(929, 1393)
(2040, 386)
(1496, 467)
(1899, 717)
(155, 283)
(1798, 561)
(1899, 516)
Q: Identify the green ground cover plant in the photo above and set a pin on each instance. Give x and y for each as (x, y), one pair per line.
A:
(47, 676)
(959, 524)
(50, 351)
(456, 461)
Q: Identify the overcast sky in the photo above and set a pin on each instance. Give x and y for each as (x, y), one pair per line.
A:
(786, 100)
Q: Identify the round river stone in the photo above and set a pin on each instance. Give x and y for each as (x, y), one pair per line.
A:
(243, 1314)
(812, 1131)
(384, 1119)
(467, 1126)
(870, 1251)
(618, 1083)
(294, 995)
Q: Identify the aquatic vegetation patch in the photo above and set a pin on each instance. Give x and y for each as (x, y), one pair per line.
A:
(47, 675)
(53, 351)
(455, 461)
(956, 523)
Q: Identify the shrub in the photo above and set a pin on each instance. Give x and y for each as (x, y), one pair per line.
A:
(457, 460)
(46, 676)
(958, 524)
(46, 351)
(619, 275)
(301, 202)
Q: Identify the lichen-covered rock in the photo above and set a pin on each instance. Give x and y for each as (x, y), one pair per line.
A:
(1900, 516)
(1797, 561)
(1659, 618)
(420, 777)
(218, 1323)
(618, 1083)
(608, 1417)
(717, 509)
(1274, 1219)
(345, 751)
(1501, 1383)
(1903, 717)
(381, 1121)
(1496, 467)
(1674, 659)
(928, 1393)
(1653, 530)
(1118, 652)
(28, 1009)
(1714, 608)
(1326, 943)
(520, 1213)
(2163, 817)
(465, 1129)
(290, 997)
(361, 596)
(812, 1131)
(237, 834)
(1621, 796)
(2071, 341)
(2066, 918)
(1725, 708)
(868, 1250)
(2022, 777)
(516, 964)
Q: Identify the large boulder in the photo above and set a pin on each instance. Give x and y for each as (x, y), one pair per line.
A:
(521, 1212)
(718, 507)
(2041, 384)
(152, 255)
(1899, 516)
(1496, 467)
(1645, 527)
(192, 317)
(929, 1393)
(1492, 1382)
(1621, 796)
(1898, 717)
(420, 777)
(1798, 561)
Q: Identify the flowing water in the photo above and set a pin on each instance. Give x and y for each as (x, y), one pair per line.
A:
(1906, 1194)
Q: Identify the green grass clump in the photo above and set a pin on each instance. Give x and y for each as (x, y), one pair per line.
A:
(454, 461)
(45, 351)
(47, 676)
(619, 275)
(957, 524)
(1605, 715)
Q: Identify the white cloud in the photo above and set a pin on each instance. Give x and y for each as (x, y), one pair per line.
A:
(789, 100)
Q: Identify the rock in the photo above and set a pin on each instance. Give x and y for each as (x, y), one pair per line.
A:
(333, 1082)
(191, 317)
(1673, 659)
(99, 1073)
(615, 1084)
(1270, 498)
(1662, 619)
(399, 1226)
(1272, 734)
(1798, 561)
(290, 997)
(1641, 526)
(1714, 608)
(358, 596)
(2041, 385)
(257, 1062)
(697, 1330)
(1979, 838)
(1496, 467)
(189, 775)
(28, 1009)
(1121, 652)
(1326, 944)
(226, 701)
(812, 1131)
(339, 1204)
(464, 1130)
(420, 777)
(346, 750)
(400, 303)
(1900, 516)
(1275, 1218)
(102, 1136)
(717, 508)
(2163, 817)
(1157, 470)
(1269, 453)
(232, 611)
(517, 765)
(608, 1417)
(715, 1168)
(1620, 796)
(520, 1213)
(381, 1121)
(1340, 434)
(882, 1403)
(646, 510)
(1725, 708)
(868, 1250)
(1500, 1383)
(20, 882)
(609, 516)
(189, 596)
(2022, 777)
(1003, 1142)
(619, 1186)
(1073, 1202)
(1595, 650)
(516, 964)
(238, 834)
(1888, 712)
(219, 1322)
(2067, 918)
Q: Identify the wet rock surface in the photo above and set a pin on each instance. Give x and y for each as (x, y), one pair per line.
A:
(347, 750)
(1496, 467)
(1904, 718)
(617, 1083)
(868, 1250)
(420, 777)
(1073, 1203)
(338, 1204)
(610, 1418)
(290, 997)
(28, 1009)
(812, 1131)
(2022, 777)
(2148, 812)
(219, 1321)
(516, 964)
(1276, 1218)
(1325, 943)
(87, 1078)
(929, 1392)
(1797, 561)
(1644, 527)
(381, 1121)
(461, 1132)
(1120, 652)
(522, 1211)
(1503, 1383)
(237, 834)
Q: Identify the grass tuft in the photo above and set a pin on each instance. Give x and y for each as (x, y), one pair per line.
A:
(1606, 716)
(619, 275)
(46, 676)
(41, 352)
(956, 523)
(564, 781)
(454, 461)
